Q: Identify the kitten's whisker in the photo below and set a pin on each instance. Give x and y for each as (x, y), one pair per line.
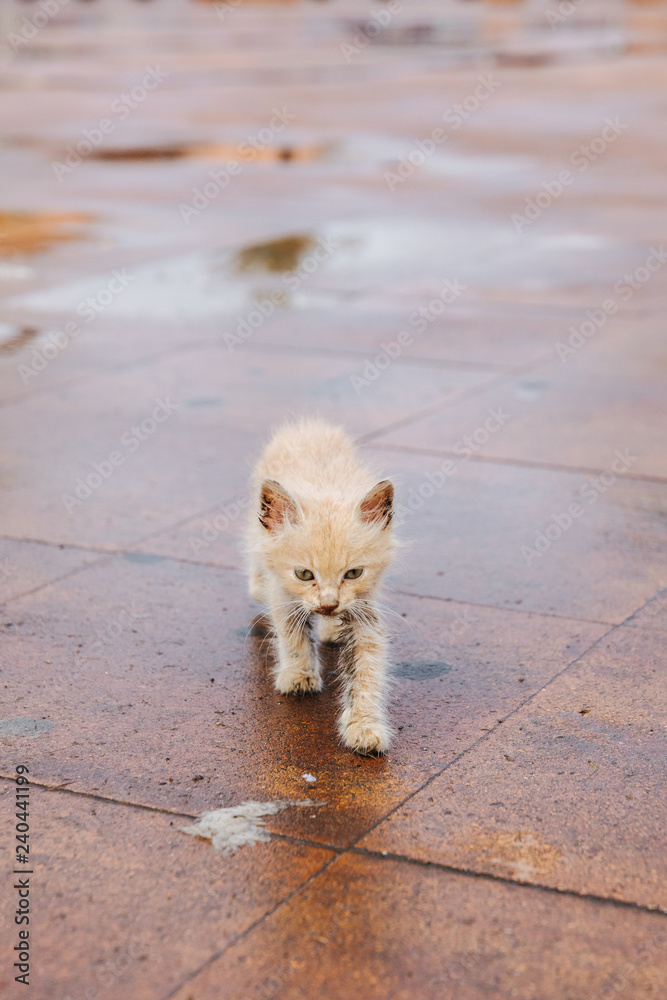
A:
(271, 630)
(364, 613)
(296, 619)
(254, 621)
(267, 639)
(291, 604)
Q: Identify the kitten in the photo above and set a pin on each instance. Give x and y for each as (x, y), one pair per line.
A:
(318, 543)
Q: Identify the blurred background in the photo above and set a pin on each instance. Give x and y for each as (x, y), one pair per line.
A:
(442, 224)
(205, 151)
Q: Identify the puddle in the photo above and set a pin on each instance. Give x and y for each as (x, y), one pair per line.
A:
(540, 44)
(226, 283)
(454, 31)
(274, 255)
(173, 152)
(527, 40)
(15, 272)
(14, 339)
(33, 232)
(421, 670)
(403, 259)
(527, 60)
(19, 726)
(236, 826)
(221, 151)
(469, 166)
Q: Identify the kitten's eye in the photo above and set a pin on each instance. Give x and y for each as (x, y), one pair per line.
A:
(304, 574)
(354, 574)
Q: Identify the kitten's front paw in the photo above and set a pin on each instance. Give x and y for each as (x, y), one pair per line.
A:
(298, 682)
(366, 736)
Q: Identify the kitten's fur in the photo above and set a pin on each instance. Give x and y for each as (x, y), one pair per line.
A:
(318, 508)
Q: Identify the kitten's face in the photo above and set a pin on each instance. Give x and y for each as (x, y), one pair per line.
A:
(329, 581)
(330, 558)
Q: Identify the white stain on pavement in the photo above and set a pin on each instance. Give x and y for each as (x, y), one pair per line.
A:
(234, 827)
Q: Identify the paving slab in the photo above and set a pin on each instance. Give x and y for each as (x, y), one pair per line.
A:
(39, 355)
(202, 404)
(474, 331)
(602, 398)
(397, 930)
(133, 679)
(24, 566)
(124, 904)
(652, 615)
(483, 515)
(569, 792)
(499, 534)
(157, 692)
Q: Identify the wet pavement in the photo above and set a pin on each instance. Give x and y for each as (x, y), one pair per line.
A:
(442, 225)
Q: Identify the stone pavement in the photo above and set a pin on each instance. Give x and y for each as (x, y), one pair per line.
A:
(442, 224)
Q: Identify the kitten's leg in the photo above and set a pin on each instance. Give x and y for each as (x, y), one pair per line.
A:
(363, 722)
(297, 670)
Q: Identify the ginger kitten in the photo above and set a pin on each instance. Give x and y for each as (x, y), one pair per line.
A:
(318, 543)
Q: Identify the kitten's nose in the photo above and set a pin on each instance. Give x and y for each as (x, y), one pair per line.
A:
(328, 609)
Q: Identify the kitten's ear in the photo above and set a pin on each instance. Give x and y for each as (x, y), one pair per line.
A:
(277, 506)
(377, 506)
